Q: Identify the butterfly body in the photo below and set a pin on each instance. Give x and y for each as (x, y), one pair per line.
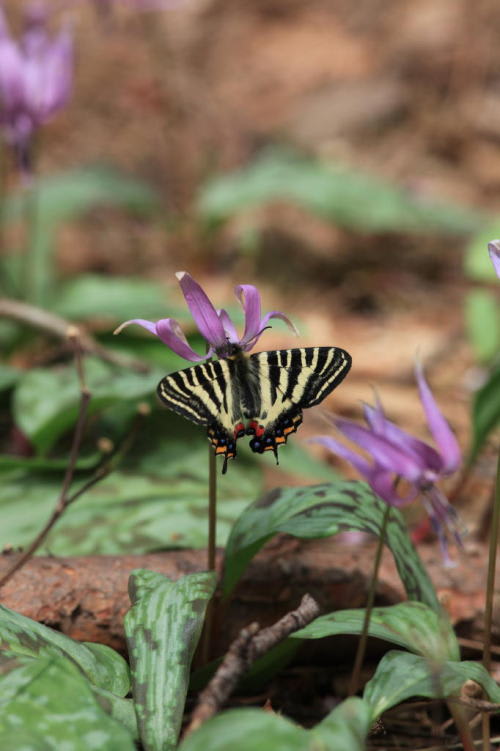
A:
(261, 395)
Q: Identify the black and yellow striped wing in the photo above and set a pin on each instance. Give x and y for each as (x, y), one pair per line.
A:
(261, 395)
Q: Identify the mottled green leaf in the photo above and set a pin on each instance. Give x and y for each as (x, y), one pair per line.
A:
(128, 512)
(46, 401)
(401, 675)
(9, 376)
(162, 630)
(248, 730)
(120, 709)
(412, 625)
(345, 728)
(320, 511)
(52, 703)
(103, 666)
(485, 413)
(343, 195)
(114, 297)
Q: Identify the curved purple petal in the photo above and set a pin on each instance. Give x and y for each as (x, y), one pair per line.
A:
(388, 429)
(363, 467)
(149, 325)
(202, 310)
(443, 435)
(249, 299)
(282, 317)
(383, 451)
(494, 251)
(229, 326)
(172, 335)
(382, 483)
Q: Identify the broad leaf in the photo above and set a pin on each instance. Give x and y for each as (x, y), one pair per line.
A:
(320, 511)
(46, 401)
(103, 666)
(162, 630)
(412, 625)
(114, 297)
(400, 676)
(485, 413)
(343, 195)
(52, 704)
(345, 728)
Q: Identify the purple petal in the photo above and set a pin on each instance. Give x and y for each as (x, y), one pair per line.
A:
(363, 467)
(384, 452)
(282, 317)
(494, 251)
(172, 335)
(441, 432)
(382, 483)
(249, 299)
(424, 453)
(169, 331)
(202, 310)
(229, 326)
(149, 325)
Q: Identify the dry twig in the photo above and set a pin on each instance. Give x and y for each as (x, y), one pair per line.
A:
(54, 325)
(251, 643)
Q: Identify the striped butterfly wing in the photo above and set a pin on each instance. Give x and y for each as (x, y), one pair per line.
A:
(291, 380)
(207, 395)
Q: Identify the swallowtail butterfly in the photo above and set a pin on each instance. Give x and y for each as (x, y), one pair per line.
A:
(261, 395)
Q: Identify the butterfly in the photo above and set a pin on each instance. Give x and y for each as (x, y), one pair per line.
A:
(261, 395)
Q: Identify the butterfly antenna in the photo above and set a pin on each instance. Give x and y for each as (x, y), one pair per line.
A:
(224, 466)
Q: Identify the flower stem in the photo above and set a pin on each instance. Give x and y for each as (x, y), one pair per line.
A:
(360, 653)
(490, 591)
(212, 509)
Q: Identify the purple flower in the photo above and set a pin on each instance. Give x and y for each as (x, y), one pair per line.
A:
(397, 454)
(35, 77)
(494, 251)
(214, 325)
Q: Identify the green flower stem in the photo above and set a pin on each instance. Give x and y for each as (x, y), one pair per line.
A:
(360, 653)
(490, 591)
(212, 508)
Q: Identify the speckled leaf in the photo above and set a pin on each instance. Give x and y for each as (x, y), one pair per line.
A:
(344, 729)
(412, 625)
(103, 666)
(320, 511)
(162, 630)
(128, 512)
(53, 703)
(401, 675)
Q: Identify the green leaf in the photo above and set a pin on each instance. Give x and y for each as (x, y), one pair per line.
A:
(52, 703)
(59, 198)
(345, 728)
(103, 666)
(412, 625)
(343, 195)
(248, 730)
(400, 676)
(477, 262)
(485, 413)
(482, 317)
(117, 298)
(9, 376)
(162, 630)
(320, 511)
(46, 401)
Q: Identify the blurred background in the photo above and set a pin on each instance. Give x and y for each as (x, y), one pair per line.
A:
(343, 157)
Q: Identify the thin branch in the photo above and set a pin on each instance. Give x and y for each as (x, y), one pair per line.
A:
(251, 643)
(55, 325)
